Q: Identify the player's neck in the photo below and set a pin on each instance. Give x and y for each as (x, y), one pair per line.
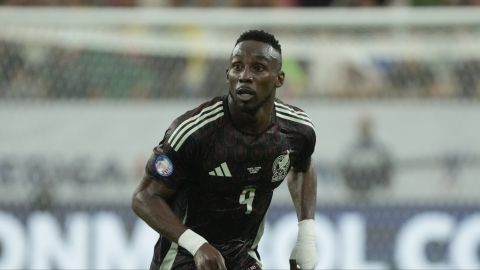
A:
(252, 122)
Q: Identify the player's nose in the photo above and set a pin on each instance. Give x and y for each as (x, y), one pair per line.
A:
(246, 75)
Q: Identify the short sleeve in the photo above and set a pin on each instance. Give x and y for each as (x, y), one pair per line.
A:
(307, 140)
(167, 165)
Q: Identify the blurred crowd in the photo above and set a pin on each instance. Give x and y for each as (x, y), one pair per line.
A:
(50, 72)
(239, 3)
(64, 73)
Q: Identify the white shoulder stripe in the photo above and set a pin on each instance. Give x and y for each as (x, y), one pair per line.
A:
(194, 123)
(278, 104)
(201, 124)
(185, 125)
(294, 119)
(292, 114)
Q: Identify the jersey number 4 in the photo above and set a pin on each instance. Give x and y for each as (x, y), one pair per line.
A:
(247, 198)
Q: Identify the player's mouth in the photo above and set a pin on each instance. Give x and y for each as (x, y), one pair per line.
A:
(245, 93)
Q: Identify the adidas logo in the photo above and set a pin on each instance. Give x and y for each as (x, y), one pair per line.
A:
(221, 170)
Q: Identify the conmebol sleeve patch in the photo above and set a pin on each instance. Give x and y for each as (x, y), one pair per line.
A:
(163, 165)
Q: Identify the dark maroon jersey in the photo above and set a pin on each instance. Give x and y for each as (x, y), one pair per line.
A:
(225, 178)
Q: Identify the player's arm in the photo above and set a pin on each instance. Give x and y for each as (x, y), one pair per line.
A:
(303, 190)
(150, 204)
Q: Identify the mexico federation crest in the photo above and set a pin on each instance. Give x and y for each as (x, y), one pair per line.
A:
(280, 167)
(163, 165)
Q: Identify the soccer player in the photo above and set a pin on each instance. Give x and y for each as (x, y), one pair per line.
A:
(209, 183)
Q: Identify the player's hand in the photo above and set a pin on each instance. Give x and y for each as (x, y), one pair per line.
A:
(303, 257)
(294, 265)
(209, 258)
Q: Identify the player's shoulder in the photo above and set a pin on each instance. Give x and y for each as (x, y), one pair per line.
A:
(293, 116)
(208, 108)
(195, 121)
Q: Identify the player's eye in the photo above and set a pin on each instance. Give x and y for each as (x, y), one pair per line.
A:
(259, 68)
(237, 66)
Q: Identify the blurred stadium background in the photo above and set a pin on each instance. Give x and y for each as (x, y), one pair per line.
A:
(87, 89)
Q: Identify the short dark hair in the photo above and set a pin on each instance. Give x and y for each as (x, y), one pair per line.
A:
(262, 36)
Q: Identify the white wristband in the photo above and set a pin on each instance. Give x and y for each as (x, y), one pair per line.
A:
(306, 229)
(191, 241)
(305, 251)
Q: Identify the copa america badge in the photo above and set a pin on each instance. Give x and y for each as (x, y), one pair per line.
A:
(163, 165)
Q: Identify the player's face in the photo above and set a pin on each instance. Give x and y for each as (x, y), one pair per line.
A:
(253, 74)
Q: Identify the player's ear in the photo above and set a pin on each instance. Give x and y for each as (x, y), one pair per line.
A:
(226, 73)
(280, 79)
